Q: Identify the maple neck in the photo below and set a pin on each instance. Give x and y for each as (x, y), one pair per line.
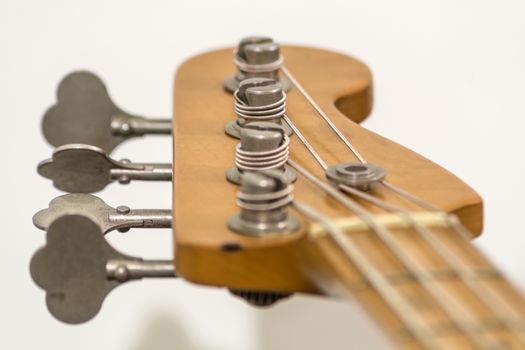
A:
(433, 290)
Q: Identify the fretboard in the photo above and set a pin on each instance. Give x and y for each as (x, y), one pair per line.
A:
(440, 293)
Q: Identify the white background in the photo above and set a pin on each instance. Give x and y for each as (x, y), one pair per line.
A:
(449, 83)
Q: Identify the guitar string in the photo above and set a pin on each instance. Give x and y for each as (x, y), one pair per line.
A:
(471, 278)
(398, 304)
(442, 251)
(457, 226)
(385, 238)
(426, 235)
(347, 143)
(438, 292)
(322, 114)
(305, 142)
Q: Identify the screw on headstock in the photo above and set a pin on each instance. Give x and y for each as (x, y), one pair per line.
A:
(77, 268)
(85, 169)
(256, 56)
(84, 113)
(121, 218)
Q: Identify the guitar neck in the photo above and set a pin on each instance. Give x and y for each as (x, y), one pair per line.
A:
(430, 289)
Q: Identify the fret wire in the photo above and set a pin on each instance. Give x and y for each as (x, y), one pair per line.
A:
(474, 285)
(397, 303)
(318, 109)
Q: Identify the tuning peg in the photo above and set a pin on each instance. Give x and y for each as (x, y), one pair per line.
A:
(85, 113)
(77, 268)
(121, 218)
(256, 56)
(84, 169)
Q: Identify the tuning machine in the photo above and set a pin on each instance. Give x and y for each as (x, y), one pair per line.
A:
(84, 113)
(84, 169)
(256, 56)
(121, 218)
(77, 268)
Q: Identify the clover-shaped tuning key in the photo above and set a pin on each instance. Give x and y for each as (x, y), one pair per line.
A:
(84, 113)
(107, 218)
(84, 169)
(77, 268)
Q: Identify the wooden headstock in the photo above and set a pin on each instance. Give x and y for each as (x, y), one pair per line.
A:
(207, 252)
(347, 230)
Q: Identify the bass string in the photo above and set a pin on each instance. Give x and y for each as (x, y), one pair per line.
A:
(468, 276)
(306, 144)
(323, 115)
(347, 142)
(425, 233)
(436, 290)
(398, 304)
(455, 224)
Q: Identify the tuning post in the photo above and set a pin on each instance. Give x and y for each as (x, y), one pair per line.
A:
(84, 169)
(263, 198)
(263, 146)
(121, 218)
(258, 99)
(84, 113)
(256, 56)
(77, 268)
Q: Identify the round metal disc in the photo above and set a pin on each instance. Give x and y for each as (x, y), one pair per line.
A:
(355, 174)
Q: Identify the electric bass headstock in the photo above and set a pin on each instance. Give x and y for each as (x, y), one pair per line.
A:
(207, 151)
(277, 189)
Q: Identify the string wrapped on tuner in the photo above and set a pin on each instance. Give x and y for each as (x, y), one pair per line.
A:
(256, 56)
(263, 199)
(263, 146)
(258, 100)
(272, 111)
(262, 160)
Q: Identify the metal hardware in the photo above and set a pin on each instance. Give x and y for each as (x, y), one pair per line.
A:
(77, 268)
(107, 218)
(358, 175)
(258, 298)
(258, 99)
(263, 146)
(263, 198)
(256, 57)
(124, 270)
(84, 169)
(85, 113)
